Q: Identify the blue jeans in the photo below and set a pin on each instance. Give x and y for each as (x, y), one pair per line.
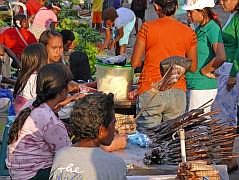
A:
(165, 105)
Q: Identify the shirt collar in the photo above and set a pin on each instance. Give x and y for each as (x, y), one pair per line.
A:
(206, 26)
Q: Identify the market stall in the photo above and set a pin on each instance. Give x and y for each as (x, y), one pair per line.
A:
(132, 156)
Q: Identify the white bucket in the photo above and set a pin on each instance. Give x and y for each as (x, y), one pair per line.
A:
(114, 79)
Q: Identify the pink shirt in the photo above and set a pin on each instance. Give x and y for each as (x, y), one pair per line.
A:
(41, 136)
(43, 18)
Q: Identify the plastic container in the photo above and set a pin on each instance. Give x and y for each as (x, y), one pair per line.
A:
(114, 79)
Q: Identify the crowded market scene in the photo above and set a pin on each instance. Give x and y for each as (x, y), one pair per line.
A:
(119, 89)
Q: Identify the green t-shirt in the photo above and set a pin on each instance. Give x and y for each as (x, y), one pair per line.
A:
(230, 36)
(207, 35)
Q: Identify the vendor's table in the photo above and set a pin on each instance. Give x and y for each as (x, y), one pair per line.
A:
(133, 156)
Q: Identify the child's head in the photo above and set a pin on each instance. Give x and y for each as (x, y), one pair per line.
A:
(68, 38)
(52, 82)
(109, 16)
(33, 58)
(20, 21)
(93, 118)
(54, 45)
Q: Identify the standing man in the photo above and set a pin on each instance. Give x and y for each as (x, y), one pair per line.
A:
(118, 26)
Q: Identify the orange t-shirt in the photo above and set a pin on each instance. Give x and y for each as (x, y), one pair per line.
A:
(163, 37)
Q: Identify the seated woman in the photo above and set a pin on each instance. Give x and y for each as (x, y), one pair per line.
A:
(93, 123)
(37, 133)
(19, 37)
(33, 58)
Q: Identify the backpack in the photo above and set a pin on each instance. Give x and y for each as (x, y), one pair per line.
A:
(138, 5)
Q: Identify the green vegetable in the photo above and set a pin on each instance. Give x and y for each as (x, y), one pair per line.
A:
(85, 36)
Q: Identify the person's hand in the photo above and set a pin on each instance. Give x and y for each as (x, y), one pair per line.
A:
(85, 89)
(231, 83)
(119, 142)
(73, 87)
(100, 47)
(68, 100)
(132, 95)
(112, 44)
(205, 72)
(210, 75)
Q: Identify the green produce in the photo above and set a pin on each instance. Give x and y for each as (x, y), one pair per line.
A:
(85, 36)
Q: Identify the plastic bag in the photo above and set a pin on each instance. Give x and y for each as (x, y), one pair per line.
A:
(6, 93)
(139, 139)
(116, 60)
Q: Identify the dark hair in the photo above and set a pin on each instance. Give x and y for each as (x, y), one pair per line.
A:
(67, 35)
(50, 3)
(168, 7)
(20, 18)
(51, 80)
(89, 113)
(110, 14)
(212, 15)
(33, 58)
(79, 65)
(46, 35)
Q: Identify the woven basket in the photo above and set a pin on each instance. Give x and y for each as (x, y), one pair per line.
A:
(125, 124)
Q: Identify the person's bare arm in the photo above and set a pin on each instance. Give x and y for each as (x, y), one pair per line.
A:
(138, 53)
(8, 80)
(119, 36)
(107, 39)
(192, 55)
(217, 61)
(11, 54)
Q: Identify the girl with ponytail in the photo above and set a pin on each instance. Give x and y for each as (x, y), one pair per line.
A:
(202, 84)
(37, 132)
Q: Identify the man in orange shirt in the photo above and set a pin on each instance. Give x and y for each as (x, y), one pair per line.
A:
(157, 40)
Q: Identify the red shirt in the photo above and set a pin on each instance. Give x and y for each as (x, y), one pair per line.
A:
(11, 39)
(32, 7)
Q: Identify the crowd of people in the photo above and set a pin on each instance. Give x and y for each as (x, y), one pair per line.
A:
(42, 146)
